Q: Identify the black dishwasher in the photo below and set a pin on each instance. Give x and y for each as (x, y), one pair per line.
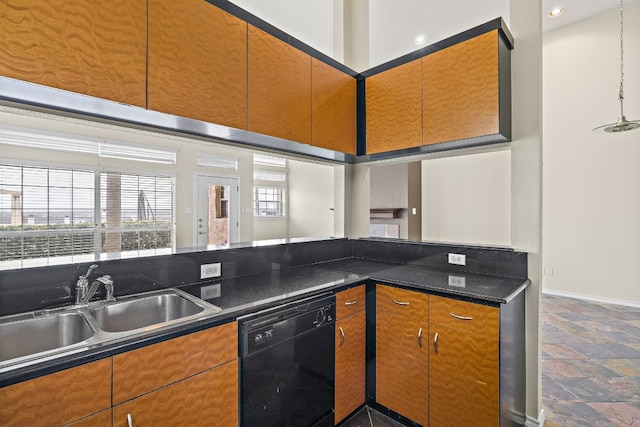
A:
(287, 364)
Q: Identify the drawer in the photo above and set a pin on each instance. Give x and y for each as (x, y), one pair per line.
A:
(465, 316)
(145, 369)
(402, 301)
(350, 301)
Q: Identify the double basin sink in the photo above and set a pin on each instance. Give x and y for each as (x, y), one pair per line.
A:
(46, 334)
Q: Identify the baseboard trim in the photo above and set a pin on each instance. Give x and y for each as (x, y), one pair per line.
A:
(591, 298)
(533, 422)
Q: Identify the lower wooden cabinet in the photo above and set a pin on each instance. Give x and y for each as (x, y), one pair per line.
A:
(350, 364)
(463, 379)
(464, 364)
(402, 362)
(59, 398)
(206, 399)
(190, 380)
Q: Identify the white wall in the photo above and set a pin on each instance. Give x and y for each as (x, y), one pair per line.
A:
(311, 199)
(591, 229)
(311, 21)
(467, 198)
(394, 25)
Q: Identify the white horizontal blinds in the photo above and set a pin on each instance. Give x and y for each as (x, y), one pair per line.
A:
(45, 213)
(58, 215)
(136, 212)
(217, 161)
(267, 160)
(269, 175)
(35, 138)
(137, 152)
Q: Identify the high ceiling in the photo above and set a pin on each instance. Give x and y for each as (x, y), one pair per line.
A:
(575, 10)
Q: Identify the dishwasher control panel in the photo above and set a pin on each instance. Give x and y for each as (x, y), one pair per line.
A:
(280, 324)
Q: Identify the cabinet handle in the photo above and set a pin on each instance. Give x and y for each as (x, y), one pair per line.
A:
(351, 302)
(435, 343)
(400, 302)
(129, 420)
(420, 338)
(341, 336)
(460, 317)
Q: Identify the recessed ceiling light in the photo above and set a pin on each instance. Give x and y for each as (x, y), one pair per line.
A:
(556, 12)
(420, 39)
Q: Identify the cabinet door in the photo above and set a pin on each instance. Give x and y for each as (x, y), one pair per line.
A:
(58, 398)
(206, 399)
(197, 62)
(333, 114)
(145, 369)
(394, 108)
(402, 363)
(350, 364)
(460, 90)
(97, 48)
(279, 101)
(463, 379)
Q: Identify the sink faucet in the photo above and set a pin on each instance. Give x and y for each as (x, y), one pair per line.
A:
(84, 292)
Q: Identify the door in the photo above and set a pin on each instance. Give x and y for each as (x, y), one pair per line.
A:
(217, 212)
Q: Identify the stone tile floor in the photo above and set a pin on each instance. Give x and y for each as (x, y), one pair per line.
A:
(590, 363)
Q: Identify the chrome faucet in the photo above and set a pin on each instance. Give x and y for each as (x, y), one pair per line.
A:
(84, 292)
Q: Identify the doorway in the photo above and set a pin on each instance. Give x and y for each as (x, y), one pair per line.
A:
(217, 212)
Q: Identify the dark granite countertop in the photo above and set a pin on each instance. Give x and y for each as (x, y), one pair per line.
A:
(491, 289)
(246, 294)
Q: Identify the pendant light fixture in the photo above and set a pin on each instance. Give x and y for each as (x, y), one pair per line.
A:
(622, 125)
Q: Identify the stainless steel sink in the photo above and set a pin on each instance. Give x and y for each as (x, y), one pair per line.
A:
(144, 311)
(42, 334)
(31, 337)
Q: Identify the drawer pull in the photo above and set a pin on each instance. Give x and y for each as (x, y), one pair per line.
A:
(400, 302)
(460, 317)
(351, 302)
(420, 338)
(341, 336)
(435, 343)
(129, 420)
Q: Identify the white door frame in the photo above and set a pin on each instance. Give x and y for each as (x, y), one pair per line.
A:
(200, 208)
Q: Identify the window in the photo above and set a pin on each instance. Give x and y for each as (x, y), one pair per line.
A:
(57, 215)
(270, 186)
(268, 201)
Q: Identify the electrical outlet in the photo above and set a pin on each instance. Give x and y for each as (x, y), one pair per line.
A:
(458, 281)
(457, 259)
(210, 270)
(210, 291)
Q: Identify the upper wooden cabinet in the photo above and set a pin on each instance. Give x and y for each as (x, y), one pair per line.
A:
(333, 108)
(97, 48)
(461, 90)
(279, 102)
(197, 62)
(394, 108)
